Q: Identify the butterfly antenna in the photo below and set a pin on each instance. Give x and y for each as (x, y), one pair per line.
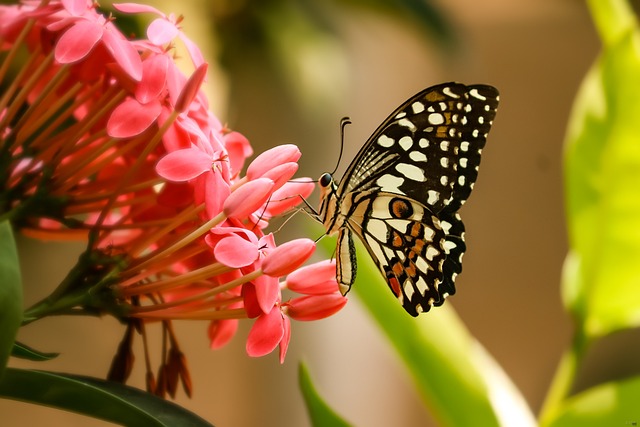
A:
(343, 123)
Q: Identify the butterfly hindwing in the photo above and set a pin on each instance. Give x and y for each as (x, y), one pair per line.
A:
(407, 242)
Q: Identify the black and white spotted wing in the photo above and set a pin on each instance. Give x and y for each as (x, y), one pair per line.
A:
(401, 193)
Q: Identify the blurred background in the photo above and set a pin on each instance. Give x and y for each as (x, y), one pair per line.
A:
(286, 71)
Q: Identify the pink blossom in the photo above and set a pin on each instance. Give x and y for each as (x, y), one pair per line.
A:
(248, 198)
(315, 307)
(271, 158)
(287, 257)
(266, 333)
(132, 162)
(314, 279)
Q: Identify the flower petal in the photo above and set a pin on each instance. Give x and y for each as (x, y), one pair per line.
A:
(289, 196)
(312, 307)
(271, 158)
(267, 291)
(221, 332)
(248, 198)
(161, 31)
(184, 165)
(287, 257)
(286, 337)
(266, 333)
(131, 118)
(235, 252)
(314, 279)
(78, 41)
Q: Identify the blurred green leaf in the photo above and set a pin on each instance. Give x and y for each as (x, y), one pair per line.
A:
(601, 284)
(611, 404)
(23, 351)
(96, 398)
(423, 12)
(10, 293)
(320, 413)
(450, 369)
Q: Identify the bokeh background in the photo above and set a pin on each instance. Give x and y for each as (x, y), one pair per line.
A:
(292, 84)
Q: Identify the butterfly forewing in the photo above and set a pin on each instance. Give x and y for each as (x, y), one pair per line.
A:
(402, 192)
(423, 147)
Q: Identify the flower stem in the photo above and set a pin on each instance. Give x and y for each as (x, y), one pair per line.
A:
(564, 378)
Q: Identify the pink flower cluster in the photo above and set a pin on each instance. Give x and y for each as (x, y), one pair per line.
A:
(111, 143)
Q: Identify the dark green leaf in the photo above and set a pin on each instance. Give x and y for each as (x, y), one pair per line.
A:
(320, 413)
(22, 351)
(10, 293)
(96, 398)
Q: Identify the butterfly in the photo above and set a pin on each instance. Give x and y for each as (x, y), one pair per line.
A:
(402, 192)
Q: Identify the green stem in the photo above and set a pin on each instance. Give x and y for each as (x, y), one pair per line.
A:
(564, 378)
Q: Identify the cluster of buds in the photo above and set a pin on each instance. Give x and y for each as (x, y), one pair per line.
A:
(104, 139)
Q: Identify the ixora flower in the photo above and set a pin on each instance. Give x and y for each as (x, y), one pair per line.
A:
(103, 139)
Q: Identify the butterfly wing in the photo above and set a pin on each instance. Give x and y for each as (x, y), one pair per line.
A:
(429, 148)
(409, 245)
(402, 192)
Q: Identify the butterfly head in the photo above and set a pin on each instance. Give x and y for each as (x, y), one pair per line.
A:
(328, 192)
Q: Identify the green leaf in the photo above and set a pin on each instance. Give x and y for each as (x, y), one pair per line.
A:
(320, 413)
(23, 351)
(10, 293)
(96, 398)
(450, 369)
(611, 404)
(601, 285)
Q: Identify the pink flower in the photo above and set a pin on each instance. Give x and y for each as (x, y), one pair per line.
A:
(115, 146)
(287, 257)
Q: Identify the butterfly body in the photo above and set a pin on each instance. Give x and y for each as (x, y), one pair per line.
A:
(401, 193)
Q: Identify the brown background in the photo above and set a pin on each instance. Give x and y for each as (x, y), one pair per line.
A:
(536, 53)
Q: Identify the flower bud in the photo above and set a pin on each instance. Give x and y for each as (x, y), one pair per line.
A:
(287, 257)
(272, 158)
(248, 198)
(312, 307)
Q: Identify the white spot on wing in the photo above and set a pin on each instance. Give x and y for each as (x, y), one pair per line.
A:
(408, 289)
(422, 286)
(448, 245)
(464, 146)
(377, 228)
(423, 142)
(422, 264)
(385, 141)
(417, 156)
(435, 119)
(407, 123)
(390, 183)
(406, 142)
(411, 171)
(444, 145)
(463, 162)
(476, 94)
(432, 252)
(433, 197)
(417, 107)
(447, 91)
